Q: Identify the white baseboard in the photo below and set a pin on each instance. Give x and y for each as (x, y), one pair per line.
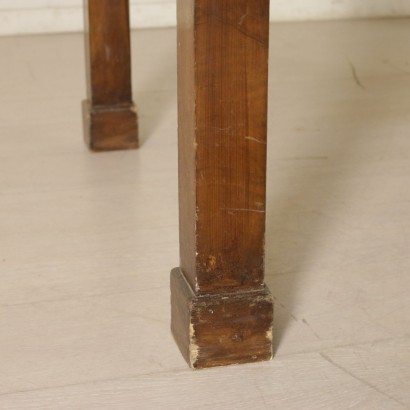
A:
(289, 10)
(53, 16)
(70, 19)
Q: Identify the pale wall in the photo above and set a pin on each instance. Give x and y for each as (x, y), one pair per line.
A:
(37, 16)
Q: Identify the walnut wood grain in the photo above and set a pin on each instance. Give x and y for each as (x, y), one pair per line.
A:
(222, 92)
(110, 119)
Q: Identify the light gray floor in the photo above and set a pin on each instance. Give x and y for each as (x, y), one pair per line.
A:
(87, 240)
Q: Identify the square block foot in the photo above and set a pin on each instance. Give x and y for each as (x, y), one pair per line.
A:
(221, 328)
(110, 128)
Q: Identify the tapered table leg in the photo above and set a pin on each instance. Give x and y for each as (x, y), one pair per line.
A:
(221, 309)
(110, 120)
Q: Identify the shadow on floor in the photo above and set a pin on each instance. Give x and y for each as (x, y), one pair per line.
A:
(304, 186)
(154, 89)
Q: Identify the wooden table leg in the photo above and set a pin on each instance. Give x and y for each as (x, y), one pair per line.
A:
(221, 309)
(110, 119)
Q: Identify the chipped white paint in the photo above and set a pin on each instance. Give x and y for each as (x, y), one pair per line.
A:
(38, 16)
(193, 353)
(269, 335)
(193, 347)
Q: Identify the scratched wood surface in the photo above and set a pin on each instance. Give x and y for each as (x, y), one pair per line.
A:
(86, 241)
(222, 125)
(223, 103)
